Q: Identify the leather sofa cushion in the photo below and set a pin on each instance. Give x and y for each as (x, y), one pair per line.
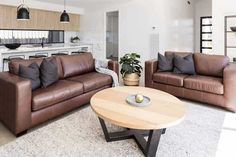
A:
(48, 72)
(14, 65)
(169, 78)
(210, 65)
(58, 92)
(165, 63)
(184, 65)
(205, 83)
(32, 73)
(77, 64)
(92, 81)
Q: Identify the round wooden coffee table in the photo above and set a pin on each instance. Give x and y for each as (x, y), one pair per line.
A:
(164, 111)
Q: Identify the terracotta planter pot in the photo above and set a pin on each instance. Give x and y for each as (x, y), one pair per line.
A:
(131, 79)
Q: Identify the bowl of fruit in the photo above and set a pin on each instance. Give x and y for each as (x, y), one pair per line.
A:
(138, 100)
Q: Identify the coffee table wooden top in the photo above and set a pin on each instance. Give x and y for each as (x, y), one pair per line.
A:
(164, 111)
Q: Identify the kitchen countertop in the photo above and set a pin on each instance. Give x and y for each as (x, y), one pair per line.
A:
(4, 50)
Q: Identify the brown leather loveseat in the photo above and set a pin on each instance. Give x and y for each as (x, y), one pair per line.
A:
(214, 82)
(21, 108)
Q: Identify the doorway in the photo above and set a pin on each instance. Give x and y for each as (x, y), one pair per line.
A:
(112, 35)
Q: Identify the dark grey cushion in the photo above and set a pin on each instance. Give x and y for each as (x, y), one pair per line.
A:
(49, 72)
(165, 63)
(31, 72)
(184, 65)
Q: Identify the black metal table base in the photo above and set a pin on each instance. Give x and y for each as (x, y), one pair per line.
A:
(149, 147)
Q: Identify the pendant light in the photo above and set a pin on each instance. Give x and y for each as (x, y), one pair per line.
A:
(64, 16)
(23, 12)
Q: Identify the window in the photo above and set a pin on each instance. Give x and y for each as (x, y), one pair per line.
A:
(206, 35)
(31, 36)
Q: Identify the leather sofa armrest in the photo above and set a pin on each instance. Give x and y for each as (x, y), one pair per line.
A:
(151, 67)
(114, 65)
(15, 102)
(229, 80)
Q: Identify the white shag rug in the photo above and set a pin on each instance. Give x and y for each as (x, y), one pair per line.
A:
(79, 134)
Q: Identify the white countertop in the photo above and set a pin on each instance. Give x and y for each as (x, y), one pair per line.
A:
(4, 50)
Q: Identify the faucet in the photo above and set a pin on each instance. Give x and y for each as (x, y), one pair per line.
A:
(42, 44)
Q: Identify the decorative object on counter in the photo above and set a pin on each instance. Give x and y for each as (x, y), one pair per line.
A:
(64, 16)
(233, 29)
(132, 100)
(12, 46)
(131, 69)
(234, 59)
(75, 39)
(23, 12)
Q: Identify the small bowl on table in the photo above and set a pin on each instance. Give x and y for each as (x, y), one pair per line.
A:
(132, 100)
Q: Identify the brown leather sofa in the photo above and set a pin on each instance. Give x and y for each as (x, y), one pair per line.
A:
(21, 108)
(214, 82)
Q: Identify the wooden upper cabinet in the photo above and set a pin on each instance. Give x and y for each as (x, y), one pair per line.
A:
(39, 19)
(74, 23)
(6, 17)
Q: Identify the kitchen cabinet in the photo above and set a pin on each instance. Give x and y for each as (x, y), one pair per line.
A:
(39, 19)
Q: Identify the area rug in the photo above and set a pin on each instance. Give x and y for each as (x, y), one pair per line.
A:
(78, 134)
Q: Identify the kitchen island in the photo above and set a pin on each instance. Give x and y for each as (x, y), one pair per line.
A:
(48, 50)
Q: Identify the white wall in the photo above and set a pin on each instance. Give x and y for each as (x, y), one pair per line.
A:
(201, 8)
(173, 21)
(220, 9)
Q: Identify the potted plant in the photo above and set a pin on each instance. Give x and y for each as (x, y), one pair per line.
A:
(75, 39)
(131, 69)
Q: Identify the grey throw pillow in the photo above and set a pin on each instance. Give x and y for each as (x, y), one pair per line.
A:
(165, 63)
(49, 72)
(31, 72)
(184, 65)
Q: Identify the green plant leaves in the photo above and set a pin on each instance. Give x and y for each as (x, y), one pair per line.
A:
(127, 67)
(130, 64)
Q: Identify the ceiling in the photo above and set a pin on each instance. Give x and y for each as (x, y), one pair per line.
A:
(81, 3)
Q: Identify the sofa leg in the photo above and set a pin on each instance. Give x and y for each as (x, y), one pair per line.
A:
(21, 133)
